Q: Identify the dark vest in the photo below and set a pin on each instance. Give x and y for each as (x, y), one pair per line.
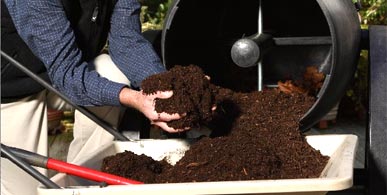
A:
(90, 20)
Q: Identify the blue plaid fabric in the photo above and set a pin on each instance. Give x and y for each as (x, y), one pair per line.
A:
(43, 25)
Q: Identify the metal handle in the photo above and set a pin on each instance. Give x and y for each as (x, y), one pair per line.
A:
(7, 153)
(49, 163)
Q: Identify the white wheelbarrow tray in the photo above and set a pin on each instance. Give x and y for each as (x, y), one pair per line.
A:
(337, 175)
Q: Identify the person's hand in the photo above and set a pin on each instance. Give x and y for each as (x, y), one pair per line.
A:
(146, 104)
(159, 119)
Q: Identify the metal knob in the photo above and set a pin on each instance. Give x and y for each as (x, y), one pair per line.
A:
(246, 52)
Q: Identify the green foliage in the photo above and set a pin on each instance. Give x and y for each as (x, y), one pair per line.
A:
(358, 92)
(373, 12)
(153, 13)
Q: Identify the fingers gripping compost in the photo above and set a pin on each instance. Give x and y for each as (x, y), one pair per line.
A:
(145, 103)
(193, 97)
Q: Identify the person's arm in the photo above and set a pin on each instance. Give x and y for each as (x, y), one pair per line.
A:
(133, 54)
(44, 27)
(136, 58)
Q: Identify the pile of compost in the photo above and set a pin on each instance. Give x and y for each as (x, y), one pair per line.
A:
(254, 135)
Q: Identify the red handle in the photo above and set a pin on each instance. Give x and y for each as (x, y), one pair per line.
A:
(87, 173)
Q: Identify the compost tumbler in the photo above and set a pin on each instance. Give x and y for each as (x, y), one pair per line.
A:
(251, 44)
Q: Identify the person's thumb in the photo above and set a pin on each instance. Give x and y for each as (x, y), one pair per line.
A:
(164, 94)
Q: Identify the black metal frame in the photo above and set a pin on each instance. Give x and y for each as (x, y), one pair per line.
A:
(376, 142)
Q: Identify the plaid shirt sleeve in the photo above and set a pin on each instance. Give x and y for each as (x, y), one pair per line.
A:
(44, 27)
(129, 50)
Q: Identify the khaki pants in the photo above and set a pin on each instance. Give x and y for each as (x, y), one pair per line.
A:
(24, 125)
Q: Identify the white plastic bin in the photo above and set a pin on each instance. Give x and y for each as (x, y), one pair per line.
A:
(337, 175)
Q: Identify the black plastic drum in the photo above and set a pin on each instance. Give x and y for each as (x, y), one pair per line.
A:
(292, 35)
